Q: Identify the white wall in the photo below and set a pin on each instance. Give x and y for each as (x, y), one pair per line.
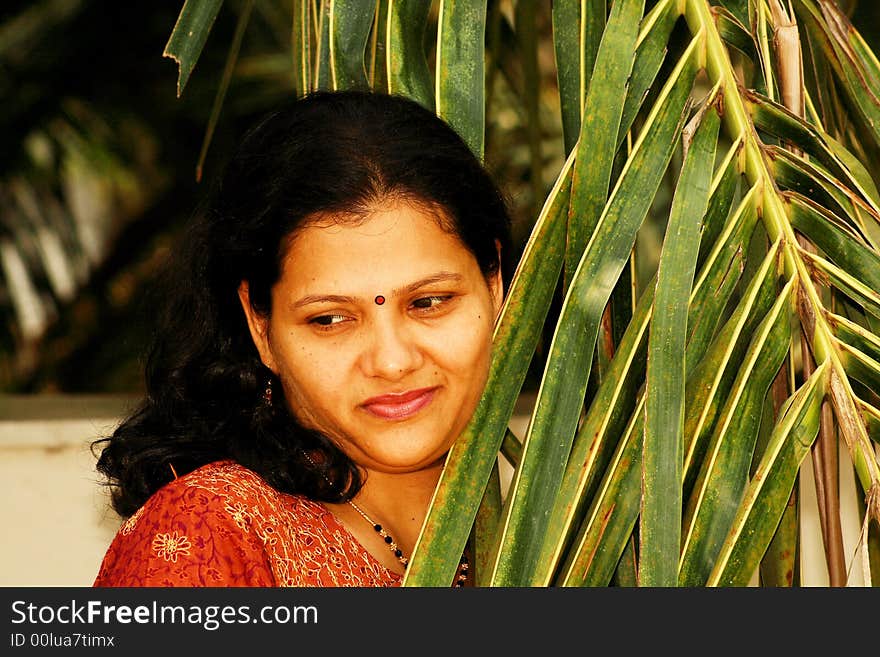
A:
(56, 517)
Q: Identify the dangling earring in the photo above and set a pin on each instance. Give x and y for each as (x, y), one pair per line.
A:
(267, 393)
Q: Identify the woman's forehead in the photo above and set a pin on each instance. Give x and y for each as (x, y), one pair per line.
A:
(392, 246)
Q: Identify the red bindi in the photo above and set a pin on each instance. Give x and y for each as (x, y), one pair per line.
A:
(379, 300)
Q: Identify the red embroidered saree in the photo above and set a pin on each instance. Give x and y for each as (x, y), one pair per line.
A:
(222, 525)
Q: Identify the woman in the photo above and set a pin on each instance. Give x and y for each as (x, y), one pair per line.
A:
(325, 337)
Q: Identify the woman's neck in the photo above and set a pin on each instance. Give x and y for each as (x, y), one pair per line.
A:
(398, 502)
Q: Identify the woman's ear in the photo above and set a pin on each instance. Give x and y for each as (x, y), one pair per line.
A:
(258, 325)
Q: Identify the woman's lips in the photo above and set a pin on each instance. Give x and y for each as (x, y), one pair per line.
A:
(399, 406)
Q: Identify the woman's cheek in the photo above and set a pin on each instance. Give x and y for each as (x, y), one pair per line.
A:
(464, 349)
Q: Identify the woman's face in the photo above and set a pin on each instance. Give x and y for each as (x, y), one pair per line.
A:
(380, 333)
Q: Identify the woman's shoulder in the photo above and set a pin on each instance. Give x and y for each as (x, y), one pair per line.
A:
(224, 525)
(201, 529)
(213, 486)
(242, 496)
(248, 497)
(222, 480)
(220, 476)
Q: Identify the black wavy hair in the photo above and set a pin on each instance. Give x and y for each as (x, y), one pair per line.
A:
(330, 153)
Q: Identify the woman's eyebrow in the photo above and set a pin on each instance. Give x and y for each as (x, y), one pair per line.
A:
(440, 277)
(321, 298)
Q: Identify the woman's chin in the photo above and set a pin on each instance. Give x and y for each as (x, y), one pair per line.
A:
(402, 461)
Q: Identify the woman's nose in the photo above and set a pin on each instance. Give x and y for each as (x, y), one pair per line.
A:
(392, 351)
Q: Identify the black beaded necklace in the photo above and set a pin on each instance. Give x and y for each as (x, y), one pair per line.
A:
(463, 565)
(461, 574)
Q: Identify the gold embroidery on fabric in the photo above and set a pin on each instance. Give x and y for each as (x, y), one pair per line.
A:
(240, 515)
(170, 546)
(129, 524)
(303, 547)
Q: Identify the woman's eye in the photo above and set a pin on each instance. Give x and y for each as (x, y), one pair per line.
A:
(428, 303)
(327, 320)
